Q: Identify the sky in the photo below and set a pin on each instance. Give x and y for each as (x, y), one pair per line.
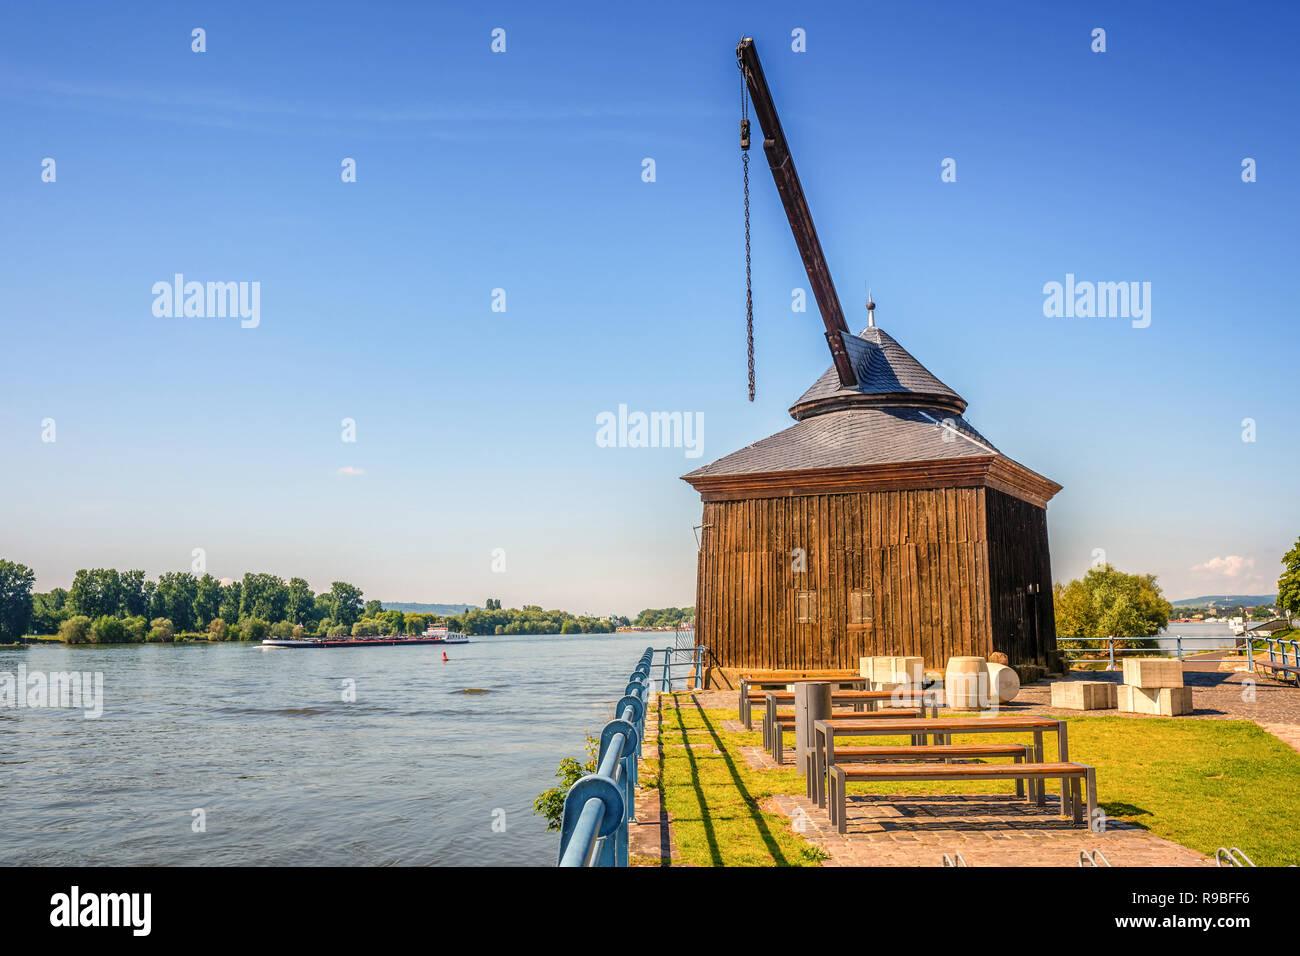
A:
(475, 471)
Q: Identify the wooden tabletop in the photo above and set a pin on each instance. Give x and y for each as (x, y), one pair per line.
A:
(913, 725)
(839, 695)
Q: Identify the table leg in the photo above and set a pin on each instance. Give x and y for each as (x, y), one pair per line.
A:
(1040, 795)
(1063, 753)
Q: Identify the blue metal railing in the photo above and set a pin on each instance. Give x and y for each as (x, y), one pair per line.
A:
(1089, 646)
(675, 658)
(599, 806)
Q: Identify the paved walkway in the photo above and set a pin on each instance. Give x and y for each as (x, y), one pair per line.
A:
(999, 830)
(986, 829)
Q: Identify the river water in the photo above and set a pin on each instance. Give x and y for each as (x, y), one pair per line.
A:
(285, 770)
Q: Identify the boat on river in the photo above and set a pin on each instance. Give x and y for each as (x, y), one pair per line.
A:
(432, 635)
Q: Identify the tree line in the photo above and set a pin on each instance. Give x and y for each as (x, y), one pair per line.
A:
(108, 606)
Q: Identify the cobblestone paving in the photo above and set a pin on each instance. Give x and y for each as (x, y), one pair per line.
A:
(987, 830)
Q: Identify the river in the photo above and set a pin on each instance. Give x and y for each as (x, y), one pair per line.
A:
(288, 772)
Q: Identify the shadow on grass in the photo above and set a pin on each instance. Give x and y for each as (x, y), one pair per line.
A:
(755, 813)
(706, 819)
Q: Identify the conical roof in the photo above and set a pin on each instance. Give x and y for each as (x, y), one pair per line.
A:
(899, 426)
(888, 376)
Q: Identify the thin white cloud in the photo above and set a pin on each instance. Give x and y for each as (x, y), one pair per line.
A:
(350, 472)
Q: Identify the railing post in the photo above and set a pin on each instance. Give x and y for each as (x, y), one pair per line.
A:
(1110, 643)
(1250, 653)
(1180, 647)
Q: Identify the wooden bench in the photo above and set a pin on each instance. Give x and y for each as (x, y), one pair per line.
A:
(781, 725)
(1278, 670)
(847, 679)
(824, 733)
(916, 754)
(1071, 805)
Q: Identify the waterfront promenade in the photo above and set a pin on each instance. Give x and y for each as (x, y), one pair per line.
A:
(712, 796)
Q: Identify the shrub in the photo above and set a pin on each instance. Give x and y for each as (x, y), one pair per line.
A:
(281, 630)
(234, 633)
(218, 630)
(107, 630)
(75, 630)
(338, 630)
(161, 630)
(254, 629)
(137, 629)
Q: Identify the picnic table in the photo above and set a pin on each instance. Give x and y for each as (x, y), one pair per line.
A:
(825, 731)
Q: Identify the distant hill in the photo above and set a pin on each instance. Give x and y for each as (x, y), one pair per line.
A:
(414, 608)
(1249, 600)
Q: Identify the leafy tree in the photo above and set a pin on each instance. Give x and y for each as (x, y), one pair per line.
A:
(75, 630)
(218, 630)
(373, 609)
(1110, 603)
(1288, 585)
(265, 597)
(345, 603)
(231, 598)
(207, 599)
(161, 630)
(254, 629)
(132, 601)
(300, 604)
(49, 611)
(15, 600)
(174, 598)
(96, 592)
(1262, 612)
(281, 630)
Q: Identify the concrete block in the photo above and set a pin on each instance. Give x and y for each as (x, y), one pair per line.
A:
(909, 670)
(1162, 701)
(1084, 694)
(1153, 672)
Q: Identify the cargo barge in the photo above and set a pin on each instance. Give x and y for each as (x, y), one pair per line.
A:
(433, 635)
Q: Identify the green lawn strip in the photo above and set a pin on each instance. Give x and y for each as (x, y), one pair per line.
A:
(1200, 783)
(714, 797)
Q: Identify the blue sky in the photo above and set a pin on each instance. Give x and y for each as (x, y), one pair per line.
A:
(522, 171)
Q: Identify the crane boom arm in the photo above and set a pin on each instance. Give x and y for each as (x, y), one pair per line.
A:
(796, 209)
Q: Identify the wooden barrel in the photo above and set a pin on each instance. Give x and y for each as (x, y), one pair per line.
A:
(1004, 683)
(965, 682)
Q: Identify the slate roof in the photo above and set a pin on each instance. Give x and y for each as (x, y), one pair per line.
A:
(857, 436)
(887, 375)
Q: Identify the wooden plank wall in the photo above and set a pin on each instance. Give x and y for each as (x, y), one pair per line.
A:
(1024, 620)
(922, 553)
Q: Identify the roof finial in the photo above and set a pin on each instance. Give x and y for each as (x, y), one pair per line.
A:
(871, 310)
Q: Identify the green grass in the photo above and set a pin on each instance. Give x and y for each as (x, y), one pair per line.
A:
(1201, 783)
(714, 797)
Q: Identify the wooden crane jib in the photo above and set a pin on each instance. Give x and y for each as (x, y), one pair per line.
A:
(796, 209)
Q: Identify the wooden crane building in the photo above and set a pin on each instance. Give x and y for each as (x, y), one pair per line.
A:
(881, 522)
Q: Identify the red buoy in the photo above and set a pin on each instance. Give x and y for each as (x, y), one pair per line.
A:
(444, 657)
